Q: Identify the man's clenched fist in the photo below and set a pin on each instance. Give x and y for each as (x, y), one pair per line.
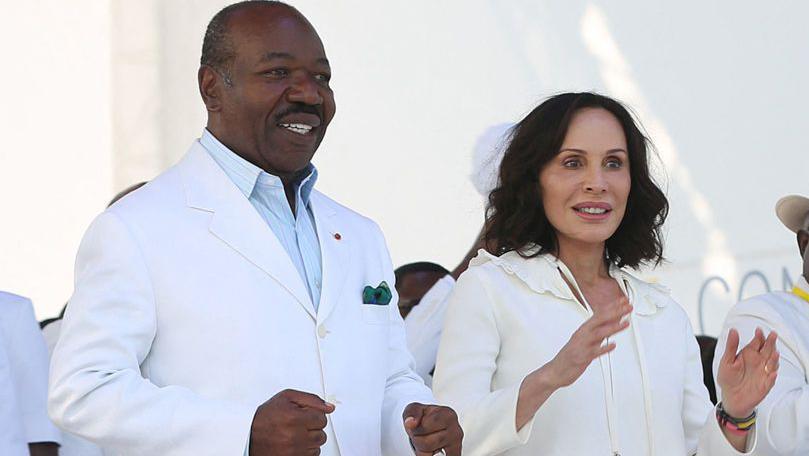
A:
(290, 423)
(433, 428)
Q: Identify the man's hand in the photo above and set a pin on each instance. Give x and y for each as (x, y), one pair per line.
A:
(290, 423)
(433, 428)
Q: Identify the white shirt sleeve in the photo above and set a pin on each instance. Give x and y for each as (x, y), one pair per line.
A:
(467, 360)
(28, 368)
(424, 324)
(96, 388)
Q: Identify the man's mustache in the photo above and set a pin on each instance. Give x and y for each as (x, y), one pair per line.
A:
(300, 108)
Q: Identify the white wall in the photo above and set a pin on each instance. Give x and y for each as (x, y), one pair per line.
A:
(56, 166)
(720, 86)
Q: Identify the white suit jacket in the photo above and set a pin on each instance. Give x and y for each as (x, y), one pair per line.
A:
(188, 314)
(23, 379)
(783, 416)
(71, 445)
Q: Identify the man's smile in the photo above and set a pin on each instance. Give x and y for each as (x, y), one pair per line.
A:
(298, 128)
(301, 123)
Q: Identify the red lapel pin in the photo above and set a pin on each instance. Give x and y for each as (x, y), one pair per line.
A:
(337, 236)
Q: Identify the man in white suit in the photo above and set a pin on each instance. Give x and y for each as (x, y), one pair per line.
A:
(219, 305)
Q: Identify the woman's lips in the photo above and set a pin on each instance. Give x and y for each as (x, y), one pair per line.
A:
(593, 210)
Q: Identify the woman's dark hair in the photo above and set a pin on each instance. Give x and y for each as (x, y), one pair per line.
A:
(515, 217)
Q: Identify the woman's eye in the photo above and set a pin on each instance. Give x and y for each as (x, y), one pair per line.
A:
(614, 163)
(571, 163)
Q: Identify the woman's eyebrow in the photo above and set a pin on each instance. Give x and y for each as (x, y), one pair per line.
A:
(582, 151)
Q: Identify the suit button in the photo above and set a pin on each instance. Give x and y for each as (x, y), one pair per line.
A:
(322, 331)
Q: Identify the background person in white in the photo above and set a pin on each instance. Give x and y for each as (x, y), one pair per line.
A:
(199, 296)
(24, 424)
(783, 422)
(551, 346)
(425, 321)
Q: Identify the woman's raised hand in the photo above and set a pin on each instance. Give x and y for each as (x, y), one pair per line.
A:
(587, 344)
(746, 378)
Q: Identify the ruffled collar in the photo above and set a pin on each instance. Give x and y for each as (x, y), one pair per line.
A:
(541, 275)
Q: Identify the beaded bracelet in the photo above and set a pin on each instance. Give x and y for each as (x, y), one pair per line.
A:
(734, 425)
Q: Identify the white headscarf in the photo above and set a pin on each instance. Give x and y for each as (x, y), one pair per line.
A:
(488, 153)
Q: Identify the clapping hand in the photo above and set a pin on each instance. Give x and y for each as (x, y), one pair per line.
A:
(746, 378)
(433, 428)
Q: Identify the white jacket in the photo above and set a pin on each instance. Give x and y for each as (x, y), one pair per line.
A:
(423, 327)
(508, 316)
(23, 379)
(188, 314)
(783, 416)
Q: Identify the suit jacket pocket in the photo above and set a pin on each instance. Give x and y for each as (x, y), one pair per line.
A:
(376, 314)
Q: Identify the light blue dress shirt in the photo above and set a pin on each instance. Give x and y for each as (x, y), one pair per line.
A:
(296, 232)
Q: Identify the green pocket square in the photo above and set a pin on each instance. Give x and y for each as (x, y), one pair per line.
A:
(379, 296)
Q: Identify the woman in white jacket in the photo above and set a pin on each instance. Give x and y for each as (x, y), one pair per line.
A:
(552, 347)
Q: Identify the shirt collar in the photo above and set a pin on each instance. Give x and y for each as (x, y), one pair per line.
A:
(246, 176)
(540, 273)
(802, 284)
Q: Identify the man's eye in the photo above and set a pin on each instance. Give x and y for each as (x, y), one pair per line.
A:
(277, 73)
(323, 77)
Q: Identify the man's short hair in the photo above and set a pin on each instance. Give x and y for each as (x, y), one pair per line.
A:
(125, 192)
(421, 266)
(217, 49)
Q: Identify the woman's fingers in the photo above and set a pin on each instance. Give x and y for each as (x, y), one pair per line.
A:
(606, 330)
(772, 364)
(768, 348)
(604, 324)
(731, 347)
(758, 340)
(606, 317)
(603, 350)
(588, 342)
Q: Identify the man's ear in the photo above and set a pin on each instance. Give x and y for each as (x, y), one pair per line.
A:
(803, 241)
(210, 87)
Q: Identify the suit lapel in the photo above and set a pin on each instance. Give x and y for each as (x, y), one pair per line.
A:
(335, 252)
(237, 223)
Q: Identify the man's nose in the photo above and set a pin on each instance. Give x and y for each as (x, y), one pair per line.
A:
(305, 90)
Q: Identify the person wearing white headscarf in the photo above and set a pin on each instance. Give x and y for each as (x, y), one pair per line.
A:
(424, 322)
